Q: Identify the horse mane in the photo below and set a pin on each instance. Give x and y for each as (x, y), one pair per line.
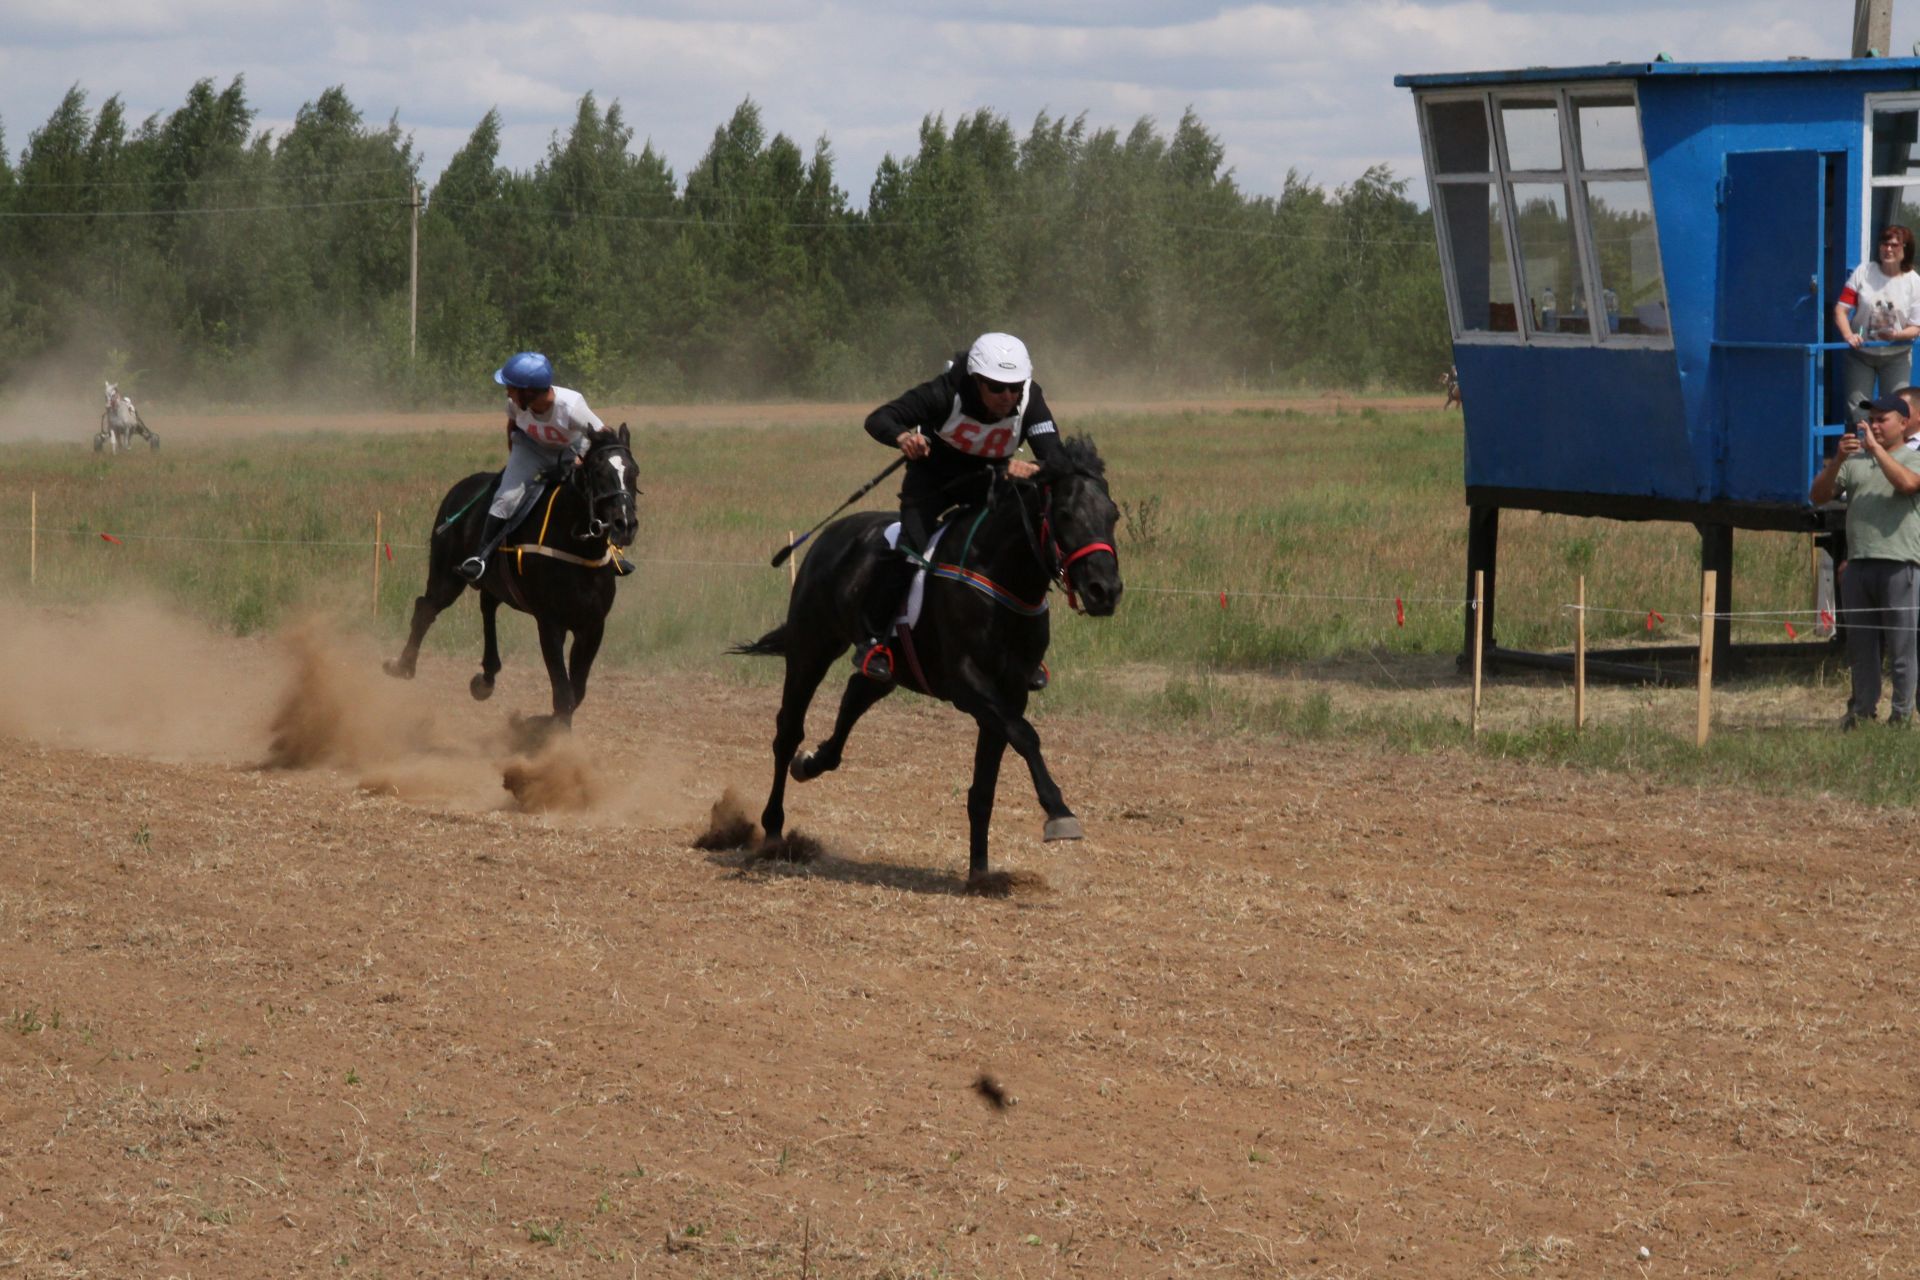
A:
(1082, 458)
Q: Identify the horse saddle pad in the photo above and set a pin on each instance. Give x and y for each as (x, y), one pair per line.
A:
(917, 593)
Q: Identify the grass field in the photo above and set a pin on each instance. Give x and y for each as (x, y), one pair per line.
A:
(1287, 571)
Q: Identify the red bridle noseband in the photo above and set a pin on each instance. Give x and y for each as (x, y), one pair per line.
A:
(1060, 554)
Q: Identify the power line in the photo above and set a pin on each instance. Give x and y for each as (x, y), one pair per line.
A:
(245, 208)
(158, 180)
(853, 222)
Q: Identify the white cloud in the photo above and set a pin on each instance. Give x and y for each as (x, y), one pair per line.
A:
(1303, 85)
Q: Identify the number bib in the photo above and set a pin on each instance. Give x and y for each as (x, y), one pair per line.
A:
(567, 421)
(984, 439)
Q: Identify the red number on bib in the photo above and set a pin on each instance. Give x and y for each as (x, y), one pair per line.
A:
(966, 433)
(996, 443)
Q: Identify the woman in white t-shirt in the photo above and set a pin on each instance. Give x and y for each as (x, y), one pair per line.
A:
(1881, 304)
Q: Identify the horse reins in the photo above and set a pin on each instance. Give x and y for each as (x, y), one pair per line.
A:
(596, 528)
(1054, 565)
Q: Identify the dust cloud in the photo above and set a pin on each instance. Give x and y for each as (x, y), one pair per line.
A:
(133, 678)
(559, 777)
(340, 711)
(730, 824)
(137, 679)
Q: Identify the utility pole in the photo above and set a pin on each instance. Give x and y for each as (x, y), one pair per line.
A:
(1872, 27)
(413, 279)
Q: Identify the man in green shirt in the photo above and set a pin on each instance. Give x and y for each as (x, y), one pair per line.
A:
(1880, 588)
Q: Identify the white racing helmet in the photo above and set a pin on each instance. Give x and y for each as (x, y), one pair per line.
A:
(1001, 357)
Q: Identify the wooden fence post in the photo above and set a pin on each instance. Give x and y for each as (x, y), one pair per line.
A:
(377, 527)
(1479, 645)
(1580, 654)
(1708, 586)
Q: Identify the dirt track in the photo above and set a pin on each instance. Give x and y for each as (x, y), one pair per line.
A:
(1285, 1013)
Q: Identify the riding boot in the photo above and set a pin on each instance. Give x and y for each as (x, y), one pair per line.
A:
(474, 566)
(892, 578)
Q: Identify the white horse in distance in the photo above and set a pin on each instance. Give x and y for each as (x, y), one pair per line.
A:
(119, 423)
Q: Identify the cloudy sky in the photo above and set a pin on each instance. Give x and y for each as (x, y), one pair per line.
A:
(1303, 85)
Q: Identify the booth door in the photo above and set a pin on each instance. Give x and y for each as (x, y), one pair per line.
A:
(1771, 294)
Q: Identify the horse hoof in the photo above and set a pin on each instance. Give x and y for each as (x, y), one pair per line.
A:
(481, 687)
(805, 767)
(397, 669)
(1066, 828)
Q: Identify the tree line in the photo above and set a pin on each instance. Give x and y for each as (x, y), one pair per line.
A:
(192, 252)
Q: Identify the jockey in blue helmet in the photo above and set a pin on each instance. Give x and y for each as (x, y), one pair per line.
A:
(546, 425)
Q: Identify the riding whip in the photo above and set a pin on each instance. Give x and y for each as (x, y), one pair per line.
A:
(780, 556)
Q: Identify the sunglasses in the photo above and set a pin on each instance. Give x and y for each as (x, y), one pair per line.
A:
(998, 388)
(1896, 243)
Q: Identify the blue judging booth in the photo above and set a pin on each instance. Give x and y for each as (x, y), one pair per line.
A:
(1641, 264)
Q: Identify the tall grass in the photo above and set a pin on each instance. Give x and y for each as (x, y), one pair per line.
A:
(1312, 524)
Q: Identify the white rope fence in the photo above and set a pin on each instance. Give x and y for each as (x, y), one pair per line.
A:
(1820, 623)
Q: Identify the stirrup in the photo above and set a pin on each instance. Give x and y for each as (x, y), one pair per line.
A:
(875, 662)
(1038, 680)
(473, 568)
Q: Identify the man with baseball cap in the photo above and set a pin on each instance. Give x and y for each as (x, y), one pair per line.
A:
(956, 430)
(1880, 588)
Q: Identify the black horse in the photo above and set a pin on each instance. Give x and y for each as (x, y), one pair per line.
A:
(981, 634)
(547, 566)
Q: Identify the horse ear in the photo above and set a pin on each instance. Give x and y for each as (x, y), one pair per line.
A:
(624, 437)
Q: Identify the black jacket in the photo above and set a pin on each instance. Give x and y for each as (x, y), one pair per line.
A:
(947, 410)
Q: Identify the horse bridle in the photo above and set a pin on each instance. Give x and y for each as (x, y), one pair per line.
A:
(1054, 558)
(596, 527)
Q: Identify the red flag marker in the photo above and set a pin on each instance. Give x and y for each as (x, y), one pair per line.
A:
(1791, 633)
(1399, 613)
(1223, 599)
(110, 538)
(1826, 619)
(1653, 617)
(388, 548)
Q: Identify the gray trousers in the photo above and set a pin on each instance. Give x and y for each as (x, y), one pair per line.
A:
(1880, 601)
(525, 461)
(1891, 366)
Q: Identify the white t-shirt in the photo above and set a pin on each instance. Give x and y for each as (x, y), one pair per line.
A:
(1880, 301)
(567, 423)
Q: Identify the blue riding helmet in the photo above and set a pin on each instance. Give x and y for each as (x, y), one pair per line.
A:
(529, 371)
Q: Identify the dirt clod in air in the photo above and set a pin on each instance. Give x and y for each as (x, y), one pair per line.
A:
(994, 1093)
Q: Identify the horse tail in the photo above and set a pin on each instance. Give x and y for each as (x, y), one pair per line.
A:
(771, 645)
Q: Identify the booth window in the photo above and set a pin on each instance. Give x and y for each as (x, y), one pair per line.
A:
(1546, 215)
(1896, 169)
(1472, 216)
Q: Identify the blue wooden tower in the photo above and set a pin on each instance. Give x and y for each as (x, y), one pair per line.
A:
(1641, 262)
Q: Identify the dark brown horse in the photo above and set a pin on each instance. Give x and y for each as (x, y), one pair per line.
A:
(558, 564)
(981, 634)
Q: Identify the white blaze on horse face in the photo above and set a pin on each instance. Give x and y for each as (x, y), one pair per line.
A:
(619, 466)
